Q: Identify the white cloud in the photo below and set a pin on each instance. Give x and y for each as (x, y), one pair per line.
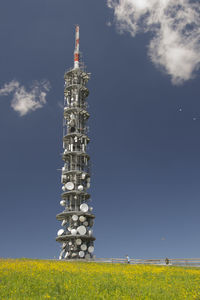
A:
(23, 100)
(9, 87)
(175, 24)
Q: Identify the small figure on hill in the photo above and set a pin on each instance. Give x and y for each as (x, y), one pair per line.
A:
(167, 261)
(128, 259)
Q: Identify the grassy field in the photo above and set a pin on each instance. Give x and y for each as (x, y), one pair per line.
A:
(39, 279)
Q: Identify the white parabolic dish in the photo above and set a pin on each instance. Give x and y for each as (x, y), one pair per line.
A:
(81, 230)
(83, 247)
(73, 231)
(83, 175)
(62, 202)
(80, 187)
(82, 218)
(69, 185)
(81, 254)
(78, 242)
(91, 249)
(90, 232)
(60, 232)
(67, 253)
(84, 207)
(64, 222)
(74, 217)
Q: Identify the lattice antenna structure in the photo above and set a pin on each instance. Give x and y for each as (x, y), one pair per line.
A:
(76, 235)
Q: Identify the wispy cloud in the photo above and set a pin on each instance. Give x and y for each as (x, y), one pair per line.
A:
(175, 24)
(24, 101)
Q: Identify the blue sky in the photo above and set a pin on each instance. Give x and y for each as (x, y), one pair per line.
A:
(144, 131)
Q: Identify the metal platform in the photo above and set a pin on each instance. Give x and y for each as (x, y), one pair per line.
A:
(64, 238)
(74, 134)
(64, 215)
(76, 153)
(75, 192)
(81, 111)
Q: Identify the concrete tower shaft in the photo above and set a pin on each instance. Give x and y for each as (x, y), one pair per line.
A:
(77, 219)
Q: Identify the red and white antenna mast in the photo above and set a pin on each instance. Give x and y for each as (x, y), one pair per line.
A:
(76, 51)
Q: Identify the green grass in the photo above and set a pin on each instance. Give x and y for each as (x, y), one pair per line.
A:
(38, 279)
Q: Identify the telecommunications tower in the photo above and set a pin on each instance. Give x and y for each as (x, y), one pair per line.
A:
(76, 236)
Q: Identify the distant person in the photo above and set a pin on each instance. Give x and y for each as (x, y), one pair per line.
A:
(128, 259)
(167, 261)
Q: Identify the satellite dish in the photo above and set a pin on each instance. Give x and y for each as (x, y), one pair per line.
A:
(74, 254)
(88, 185)
(91, 249)
(74, 217)
(83, 175)
(84, 207)
(64, 245)
(69, 185)
(81, 230)
(85, 223)
(81, 253)
(62, 202)
(60, 232)
(69, 228)
(91, 208)
(83, 247)
(66, 254)
(80, 187)
(73, 231)
(64, 222)
(78, 242)
(82, 218)
(70, 243)
(90, 232)
(63, 188)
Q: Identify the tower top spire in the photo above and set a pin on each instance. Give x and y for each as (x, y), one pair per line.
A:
(76, 51)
